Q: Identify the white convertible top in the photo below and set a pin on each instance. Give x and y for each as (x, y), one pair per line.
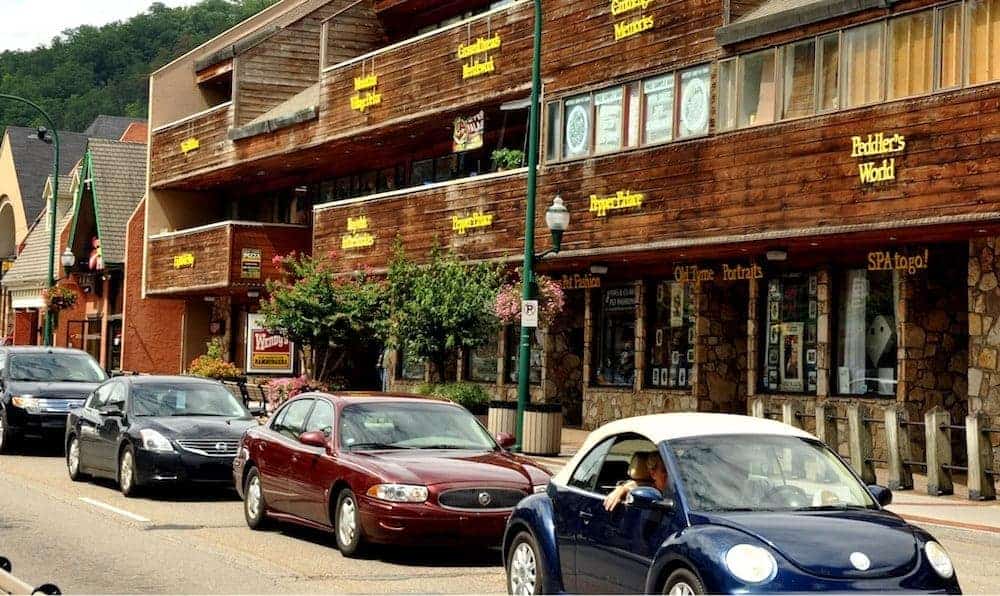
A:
(665, 427)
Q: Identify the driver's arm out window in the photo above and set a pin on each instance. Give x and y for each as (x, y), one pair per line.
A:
(585, 475)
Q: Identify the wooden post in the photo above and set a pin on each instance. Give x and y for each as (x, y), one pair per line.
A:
(938, 451)
(859, 442)
(826, 429)
(980, 452)
(897, 438)
(790, 414)
(757, 408)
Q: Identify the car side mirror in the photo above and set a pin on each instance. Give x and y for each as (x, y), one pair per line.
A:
(882, 494)
(113, 412)
(647, 497)
(313, 438)
(506, 440)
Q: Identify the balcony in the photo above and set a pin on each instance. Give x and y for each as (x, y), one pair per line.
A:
(411, 84)
(220, 258)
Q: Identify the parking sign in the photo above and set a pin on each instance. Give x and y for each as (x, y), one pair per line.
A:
(529, 313)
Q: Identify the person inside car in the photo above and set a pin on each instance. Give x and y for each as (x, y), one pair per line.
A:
(646, 468)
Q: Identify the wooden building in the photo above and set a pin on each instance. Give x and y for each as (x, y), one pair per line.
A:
(787, 198)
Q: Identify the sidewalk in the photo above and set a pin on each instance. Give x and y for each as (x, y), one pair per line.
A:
(953, 511)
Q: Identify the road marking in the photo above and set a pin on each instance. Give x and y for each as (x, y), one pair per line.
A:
(112, 509)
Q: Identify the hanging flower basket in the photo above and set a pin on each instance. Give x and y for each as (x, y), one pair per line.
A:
(551, 301)
(59, 298)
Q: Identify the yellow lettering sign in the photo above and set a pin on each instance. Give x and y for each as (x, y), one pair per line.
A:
(184, 261)
(480, 46)
(476, 220)
(478, 68)
(692, 274)
(893, 261)
(365, 82)
(580, 282)
(356, 224)
(626, 29)
(877, 144)
(871, 173)
(369, 99)
(355, 241)
(189, 145)
(622, 6)
(623, 199)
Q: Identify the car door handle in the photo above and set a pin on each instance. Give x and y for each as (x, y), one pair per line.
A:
(586, 516)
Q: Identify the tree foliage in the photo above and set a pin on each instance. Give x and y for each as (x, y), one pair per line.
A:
(89, 70)
(440, 306)
(327, 316)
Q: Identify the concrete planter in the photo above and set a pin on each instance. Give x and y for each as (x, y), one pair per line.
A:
(502, 417)
(543, 429)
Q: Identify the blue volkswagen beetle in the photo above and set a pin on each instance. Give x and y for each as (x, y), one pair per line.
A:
(745, 506)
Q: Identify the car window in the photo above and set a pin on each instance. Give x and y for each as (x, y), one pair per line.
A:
(185, 399)
(101, 396)
(411, 425)
(585, 475)
(55, 367)
(293, 419)
(321, 418)
(615, 468)
(116, 398)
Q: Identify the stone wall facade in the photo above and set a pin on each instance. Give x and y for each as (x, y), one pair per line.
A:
(984, 331)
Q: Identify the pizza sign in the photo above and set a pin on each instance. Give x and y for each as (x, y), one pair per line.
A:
(267, 353)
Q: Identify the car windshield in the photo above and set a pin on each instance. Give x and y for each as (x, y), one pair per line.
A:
(765, 473)
(395, 425)
(55, 367)
(179, 399)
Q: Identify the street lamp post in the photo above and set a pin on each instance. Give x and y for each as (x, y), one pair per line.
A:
(52, 200)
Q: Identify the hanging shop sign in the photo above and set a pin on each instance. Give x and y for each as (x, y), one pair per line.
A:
(619, 299)
(267, 353)
(468, 134)
(623, 199)
(184, 261)
(580, 282)
(689, 274)
(477, 53)
(894, 261)
(366, 95)
(632, 24)
(877, 145)
(250, 263)
(357, 235)
(189, 145)
(474, 221)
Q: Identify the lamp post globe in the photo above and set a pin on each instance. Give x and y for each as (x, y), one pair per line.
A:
(557, 219)
(68, 259)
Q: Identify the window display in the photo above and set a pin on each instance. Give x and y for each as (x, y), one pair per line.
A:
(671, 337)
(659, 108)
(411, 368)
(791, 310)
(578, 133)
(615, 362)
(513, 351)
(694, 104)
(609, 120)
(482, 363)
(866, 333)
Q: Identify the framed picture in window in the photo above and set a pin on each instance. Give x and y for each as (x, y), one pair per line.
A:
(690, 356)
(810, 356)
(659, 338)
(682, 377)
(656, 377)
(775, 335)
(813, 309)
(810, 334)
(774, 289)
(675, 358)
(791, 370)
(578, 131)
(812, 285)
(774, 310)
(772, 378)
(673, 376)
(812, 380)
(695, 101)
(772, 357)
(844, 379)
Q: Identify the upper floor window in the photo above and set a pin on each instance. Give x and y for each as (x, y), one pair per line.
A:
(644, 112)
(984, 40)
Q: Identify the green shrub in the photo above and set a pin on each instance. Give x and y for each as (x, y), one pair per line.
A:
(471, 396)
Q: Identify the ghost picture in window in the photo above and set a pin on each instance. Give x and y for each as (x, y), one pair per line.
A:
(813, 309)
(811, 380)
(577, 129)
(772, 357)
(690, 356)
(880, 338)
(775, 335)
(675, 358)
(812, 285)
(791, 357)
(676, 305)
(772, 378)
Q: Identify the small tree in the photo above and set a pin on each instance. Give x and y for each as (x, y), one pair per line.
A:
(326, 315)
(434, 309)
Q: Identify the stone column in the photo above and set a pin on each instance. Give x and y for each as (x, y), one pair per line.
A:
(824, 357)
(984, 333)
(753, 352)
(588, 338)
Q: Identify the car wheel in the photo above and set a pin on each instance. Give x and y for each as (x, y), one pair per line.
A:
(525, 570)
(126, 472)
(350, 539)
(73, 460)
(683, 583)
(254, 507)
(7, 438)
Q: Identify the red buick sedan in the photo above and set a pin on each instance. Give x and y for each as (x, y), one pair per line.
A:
(389, 469)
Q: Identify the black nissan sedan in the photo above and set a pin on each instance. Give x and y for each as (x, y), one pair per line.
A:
(39, 386)
(155, 430)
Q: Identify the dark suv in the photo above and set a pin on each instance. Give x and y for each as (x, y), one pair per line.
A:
(39, 387)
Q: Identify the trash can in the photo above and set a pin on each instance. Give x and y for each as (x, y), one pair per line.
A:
(502, 417)
(542, 429)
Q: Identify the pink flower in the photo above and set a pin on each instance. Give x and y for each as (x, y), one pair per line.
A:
(277, 260)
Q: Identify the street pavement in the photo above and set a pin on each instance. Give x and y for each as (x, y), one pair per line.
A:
(87, 538)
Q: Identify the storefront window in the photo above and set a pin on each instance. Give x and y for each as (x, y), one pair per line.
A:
(789, 333)
(411, 368)
(578, 130)
(671, 336)
(863, 59)
(984, 40)
(866, 333)
(609, 120)
(482, 363)
(800, 75)
(695, 102)
(756, 88)
(615, 362)
(951, 46)
(513, 352)
(911, 54)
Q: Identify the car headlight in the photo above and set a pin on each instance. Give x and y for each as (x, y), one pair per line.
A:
(399, 493)
(26, 402)
(939, 559)
(540, 488)
(154, 441)
(751, 564)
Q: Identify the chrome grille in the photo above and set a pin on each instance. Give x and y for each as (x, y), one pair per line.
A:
(481, 499)
(227, 447)
(57, 405)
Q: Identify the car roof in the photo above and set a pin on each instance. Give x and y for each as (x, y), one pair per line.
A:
(346, 397)
(666, 427)
(143, 379)
(41, 350)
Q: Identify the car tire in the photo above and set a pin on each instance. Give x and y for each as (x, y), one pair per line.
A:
(254, 506)
(525, 568)
(7, 438)
(683, 582)
(127, 481)
(73, 460)
(347, 525)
